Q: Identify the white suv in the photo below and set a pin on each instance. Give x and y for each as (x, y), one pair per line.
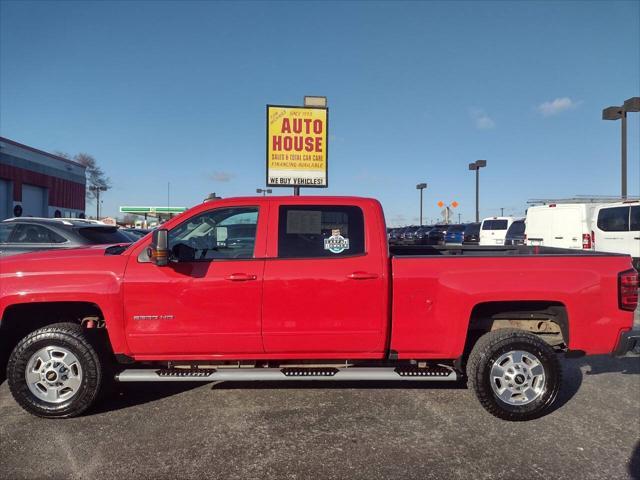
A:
(493, 230)
(616, 228)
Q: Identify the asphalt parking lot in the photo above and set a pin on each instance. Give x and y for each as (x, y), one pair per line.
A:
(337, 431)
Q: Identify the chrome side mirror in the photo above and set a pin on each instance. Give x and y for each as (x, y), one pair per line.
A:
(158, 251)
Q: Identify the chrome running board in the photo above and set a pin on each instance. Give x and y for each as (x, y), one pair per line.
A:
(437, 374)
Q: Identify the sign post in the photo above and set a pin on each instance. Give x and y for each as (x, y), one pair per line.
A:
(447, 211)
(297, 146)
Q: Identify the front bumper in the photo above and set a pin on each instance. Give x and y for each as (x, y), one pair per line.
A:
(629, 341)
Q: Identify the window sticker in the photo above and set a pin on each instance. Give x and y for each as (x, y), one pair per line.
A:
(336, 243)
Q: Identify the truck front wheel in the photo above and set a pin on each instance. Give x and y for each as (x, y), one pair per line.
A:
(514, 374)
(55, 372)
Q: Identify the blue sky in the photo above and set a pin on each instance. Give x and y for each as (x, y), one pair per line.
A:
(176, 91)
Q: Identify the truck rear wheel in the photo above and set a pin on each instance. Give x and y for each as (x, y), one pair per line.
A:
(55, 372)
(515, 375)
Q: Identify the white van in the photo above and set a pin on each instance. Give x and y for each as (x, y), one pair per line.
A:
(494, 229)
(616, 229)
(562, 225)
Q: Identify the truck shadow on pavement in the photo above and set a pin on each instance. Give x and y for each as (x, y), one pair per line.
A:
(125, 395)
(572, 373)
(606, 364)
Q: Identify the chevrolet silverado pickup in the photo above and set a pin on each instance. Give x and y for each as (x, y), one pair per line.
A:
(306, 288)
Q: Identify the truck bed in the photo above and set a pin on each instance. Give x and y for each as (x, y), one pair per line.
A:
(488, 251)
(436, 289)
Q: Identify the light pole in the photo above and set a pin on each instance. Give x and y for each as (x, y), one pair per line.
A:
(477, 165)
(421, 187)
(620, 113)
(263, 191)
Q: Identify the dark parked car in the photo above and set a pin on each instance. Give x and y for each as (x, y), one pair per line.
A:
(436, 235)
(393, 235)
(455, 234)
(421, 237)
(407, 236)
(26, 234)
(135, 234)
(515, 234)
(471, 234)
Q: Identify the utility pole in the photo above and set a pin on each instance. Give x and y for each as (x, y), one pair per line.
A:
(97, 191)
(502, 211)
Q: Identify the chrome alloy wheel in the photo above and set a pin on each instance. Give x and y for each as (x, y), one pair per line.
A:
(517, 377)
(53, 374)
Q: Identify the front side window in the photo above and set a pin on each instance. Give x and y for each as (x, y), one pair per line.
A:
(31, 233)
(224, 233)
(320, 231)
(614, 219)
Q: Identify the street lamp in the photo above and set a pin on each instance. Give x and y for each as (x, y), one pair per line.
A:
(620, 113)
(421, 187)
(263, 191)
(477, 165)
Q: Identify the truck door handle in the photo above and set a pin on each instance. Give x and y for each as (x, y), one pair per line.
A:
(558, 238)
(240, 277)
(362, 276)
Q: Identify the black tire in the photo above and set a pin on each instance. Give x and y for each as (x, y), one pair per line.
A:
(489, 348)
(71, 337)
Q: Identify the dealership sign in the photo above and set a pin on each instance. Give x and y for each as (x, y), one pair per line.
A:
(296, 146)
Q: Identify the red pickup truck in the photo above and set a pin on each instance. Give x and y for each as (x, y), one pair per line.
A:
(291, 288)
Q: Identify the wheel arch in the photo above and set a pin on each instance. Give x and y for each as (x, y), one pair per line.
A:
(546, 318)
(18, 320)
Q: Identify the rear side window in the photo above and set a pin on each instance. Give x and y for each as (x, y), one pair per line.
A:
(635, 218)
(5, 232)
(495, 225)
(103, 235)
(31, 233)
(614, 219)
(320, 231)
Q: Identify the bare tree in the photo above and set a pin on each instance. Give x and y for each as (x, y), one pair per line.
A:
(96, 178)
